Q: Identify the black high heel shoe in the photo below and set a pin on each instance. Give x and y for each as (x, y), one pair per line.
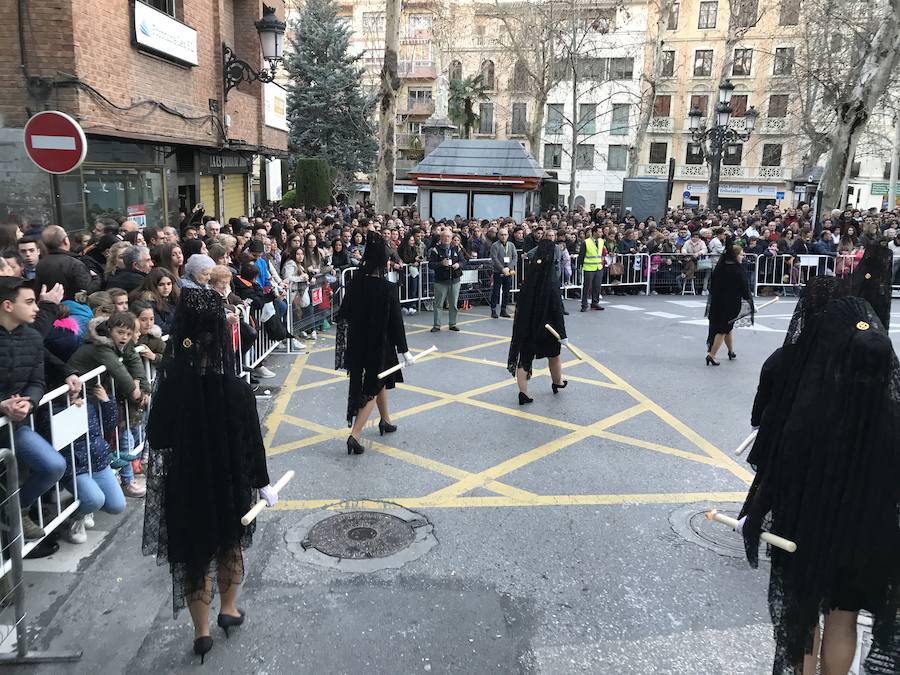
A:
(523, 399)
(710, 361)
(386, 428)
(227, 621)
(732, 356)
(202, 645)
(557, 387)
(354, 447)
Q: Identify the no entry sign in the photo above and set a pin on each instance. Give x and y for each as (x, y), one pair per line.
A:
(55, 142)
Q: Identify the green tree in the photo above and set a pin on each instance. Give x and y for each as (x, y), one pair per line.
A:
(464, 94)
(330, 116)
(313, 179)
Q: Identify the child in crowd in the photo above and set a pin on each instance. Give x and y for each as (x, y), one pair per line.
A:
(109, 343)
(147, 332)
(97, 486)
(119, 298)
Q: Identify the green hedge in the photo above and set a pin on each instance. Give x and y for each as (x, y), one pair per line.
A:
(289, 198)
(313, 181)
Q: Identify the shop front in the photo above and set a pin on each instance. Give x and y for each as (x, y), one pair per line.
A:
(224, 179)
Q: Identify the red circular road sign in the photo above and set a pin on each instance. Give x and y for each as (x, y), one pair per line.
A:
(55, 142)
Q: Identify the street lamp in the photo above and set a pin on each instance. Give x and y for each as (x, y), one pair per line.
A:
(713, 140)
(271, 39)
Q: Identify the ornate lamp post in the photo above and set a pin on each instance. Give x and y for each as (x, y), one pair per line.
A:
(271, 39)
(714, 139)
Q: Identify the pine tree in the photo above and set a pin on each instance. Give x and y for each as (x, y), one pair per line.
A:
(330, 116)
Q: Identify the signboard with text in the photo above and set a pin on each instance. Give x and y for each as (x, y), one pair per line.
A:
(164, 35)
(275, 112)
(735, 189)
(882, 188)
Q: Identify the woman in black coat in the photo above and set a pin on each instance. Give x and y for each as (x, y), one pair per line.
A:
(728, 290)
(370, 335)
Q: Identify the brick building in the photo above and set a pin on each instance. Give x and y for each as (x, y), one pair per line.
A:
(145, 80)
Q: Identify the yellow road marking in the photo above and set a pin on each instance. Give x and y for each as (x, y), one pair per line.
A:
(284, 398)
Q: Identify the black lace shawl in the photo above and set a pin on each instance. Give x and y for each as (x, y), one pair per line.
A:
(537, 304)
(206, 455)
(370, 334)
(729, 295)
(828, 460)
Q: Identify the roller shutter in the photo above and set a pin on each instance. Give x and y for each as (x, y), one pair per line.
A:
(235, 193)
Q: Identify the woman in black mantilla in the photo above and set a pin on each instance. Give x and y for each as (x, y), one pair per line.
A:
(728, 290)
(828, 478)
(538, 304)
(206, 463)
(370, 335)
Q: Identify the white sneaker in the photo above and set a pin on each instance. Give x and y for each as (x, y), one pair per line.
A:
(75, 533)
(263, 373)
(304, 335)
(296, 344)
(89, 521)
(412, 310)
(314, 336)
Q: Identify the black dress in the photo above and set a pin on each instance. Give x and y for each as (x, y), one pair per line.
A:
(728, 289)
(207, 456)
(538, 304)
(370, 334)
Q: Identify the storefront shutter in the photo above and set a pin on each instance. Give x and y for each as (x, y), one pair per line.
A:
(235, 192)
(208, 195)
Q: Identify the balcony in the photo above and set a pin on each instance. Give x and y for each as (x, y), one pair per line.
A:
(409, 141)
(417, 36)
(402, 167)
(661, 125)
(417, 70)
(417, 107)
(774, 125)
(728, 173)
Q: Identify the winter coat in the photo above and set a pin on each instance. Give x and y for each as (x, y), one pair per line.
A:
(81, 313)
(62, 267)
(444, 274)
(99, 448)
(154, 341)
(21, 363)
(122, 367)
(127, 280)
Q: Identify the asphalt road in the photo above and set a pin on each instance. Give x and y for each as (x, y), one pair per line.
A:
(563, 529)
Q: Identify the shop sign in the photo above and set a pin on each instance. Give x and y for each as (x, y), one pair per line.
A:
(163, 35)
(275, 113)
(882, 188)
(736, 189)
(223, 163)
(137, 213)
(274, 189)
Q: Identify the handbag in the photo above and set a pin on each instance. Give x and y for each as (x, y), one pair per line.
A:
(704, 264)
(616, 269)
(301, 298)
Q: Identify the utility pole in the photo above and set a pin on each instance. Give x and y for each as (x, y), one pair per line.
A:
(574, 147)
(383, 188)
(895, 166)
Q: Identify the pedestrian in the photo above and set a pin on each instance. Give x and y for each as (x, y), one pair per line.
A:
(447, 263)
(728, 291)
(206, 463)
(591, 260)
(538, 304)
(503, 264)
(370, 335)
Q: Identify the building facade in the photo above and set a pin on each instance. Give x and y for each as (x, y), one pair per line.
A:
(145, 81)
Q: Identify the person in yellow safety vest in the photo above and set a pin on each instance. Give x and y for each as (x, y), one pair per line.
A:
(591, 256)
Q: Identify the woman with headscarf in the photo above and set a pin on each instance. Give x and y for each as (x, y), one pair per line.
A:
(206, 463)
(728, 291)
(370, 335)
(538, 304)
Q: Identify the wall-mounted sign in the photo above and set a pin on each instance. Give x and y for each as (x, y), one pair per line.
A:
(276, 106)
(224, 162)
(735, 189)
(162, 35)
(882, 188)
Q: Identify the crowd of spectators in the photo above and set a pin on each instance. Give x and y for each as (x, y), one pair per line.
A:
(69, 304)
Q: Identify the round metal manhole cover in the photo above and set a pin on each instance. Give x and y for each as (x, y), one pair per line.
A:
(360, 535)
(691, 523)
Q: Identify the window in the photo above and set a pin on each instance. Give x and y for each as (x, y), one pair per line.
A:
(733, 153)
(612, 200)
(552, 156)
(771, 155)
(584, 156)
(703, 59)
(700, 101)
(621, 68)
(693, 154)
(486, 118)
(662, 105)
(738, 105)
(592, 68)
(743, 61)
(167, 6)
(520, 77)
(709, 11)
(778, 104)
(855, 168)
(418, 101)
(668, 63)
(455, 71)
(109, 191)
(784, 61)
(620, 123)
(617, 158)
(587, 118)
(790, 12)
(555, 118)
(374, 22)
(519, 119)
(673, 17)
(659, 153)
(419, 25)
(487, 74)
(746, 13)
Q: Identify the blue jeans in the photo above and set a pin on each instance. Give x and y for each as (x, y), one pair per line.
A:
(45, 464)
(501, 282)
(97, 491)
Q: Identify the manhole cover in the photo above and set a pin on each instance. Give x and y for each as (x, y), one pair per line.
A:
(360, 535)
(691, 523)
